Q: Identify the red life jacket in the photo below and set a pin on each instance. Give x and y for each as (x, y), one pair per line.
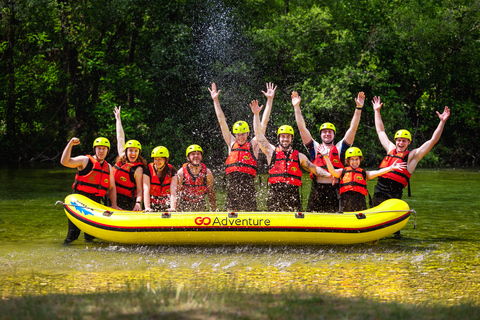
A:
(159, 190)
(125, 178)
(334, 159)
(194, 188)
(354, 180)
(95, 182)
(241, 159)
(402, 176)
(285, 170)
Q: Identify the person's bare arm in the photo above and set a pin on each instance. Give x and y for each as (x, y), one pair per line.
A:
(304, 133)
(227, 135)
(112, 191)
(337, 173)
(382, 136)
(146, 193)
(174, 189)
(139, 184)
(350, 134)
(79, 162)
(119, 129)
(417, 154)
(265, 146)
(376, 173)
(270, 94)
(211, 191)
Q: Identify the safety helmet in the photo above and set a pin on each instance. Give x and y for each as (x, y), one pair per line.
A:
(328, 125)
(133, 144)
(353, 152)
(160, 152)
(194, 147)
(101, 141)
(285, 129)
(241, 127)
(403, 134)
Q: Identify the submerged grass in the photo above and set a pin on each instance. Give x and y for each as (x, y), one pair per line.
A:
(178, 302)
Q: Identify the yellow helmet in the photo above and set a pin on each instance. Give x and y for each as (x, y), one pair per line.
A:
(353, 152)
(328, 125)
(101, 141)
(160, 152)
(403, 134)
(133, 144)
(285, 129)
(194, 147)
(241, 127)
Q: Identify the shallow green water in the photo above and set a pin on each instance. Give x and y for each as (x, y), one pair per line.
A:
(438, 262)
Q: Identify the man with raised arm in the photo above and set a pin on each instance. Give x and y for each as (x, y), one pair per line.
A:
(324, 192)
(285, 175)
(391, 184)
(241, 164)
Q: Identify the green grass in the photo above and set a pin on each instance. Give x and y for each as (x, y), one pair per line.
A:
(203, 303)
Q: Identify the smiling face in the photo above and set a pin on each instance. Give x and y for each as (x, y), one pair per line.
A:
(132, 154)
(160, 162)
(195, 157)
(402, 144)
(101, 152)
(327, 136)
(285, 140)
(241, 137)
(354, 162)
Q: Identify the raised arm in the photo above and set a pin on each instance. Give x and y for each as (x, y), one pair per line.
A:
(211, 191)
(120, 133)
(382, 136)
(265, 146)
(337, 173)
(79, 162)
(417, 154)
(270, 94)
(350, 134)
(304, 133)
(227, 135)
(310, 167)
(395, 166)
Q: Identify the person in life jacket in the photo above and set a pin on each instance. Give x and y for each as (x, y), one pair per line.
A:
(391, 186)
(94, 178)
(353, 179)
(128, 169)
(285, 175)
(192, 183)
(324, 190)
(241, 164)
(157, 179)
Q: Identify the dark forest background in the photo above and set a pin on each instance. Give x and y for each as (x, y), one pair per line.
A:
(64, 65)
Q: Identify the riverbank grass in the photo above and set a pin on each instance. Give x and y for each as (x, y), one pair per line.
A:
(190, 303)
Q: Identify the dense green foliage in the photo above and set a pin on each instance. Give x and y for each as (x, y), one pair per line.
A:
(64, 65)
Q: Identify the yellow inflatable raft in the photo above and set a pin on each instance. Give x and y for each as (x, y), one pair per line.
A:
(236, 227)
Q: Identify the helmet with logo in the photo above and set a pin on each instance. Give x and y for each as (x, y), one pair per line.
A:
(194, 147)
(241, 127)
(353, 152)
(133, 144)
(403, 134)
(101, 141)
(328, 125)
(285, 129)
(160, 152)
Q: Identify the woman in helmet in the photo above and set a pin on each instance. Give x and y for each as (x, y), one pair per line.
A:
(241, 163)
(192, 182)
(285, 176)
(94, 178)
(353, 179)
(157, 179)
(128, 169)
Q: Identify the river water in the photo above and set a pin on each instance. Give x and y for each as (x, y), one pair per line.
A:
(438, 262)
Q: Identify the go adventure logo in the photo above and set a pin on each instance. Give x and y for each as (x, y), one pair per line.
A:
(248, 222)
